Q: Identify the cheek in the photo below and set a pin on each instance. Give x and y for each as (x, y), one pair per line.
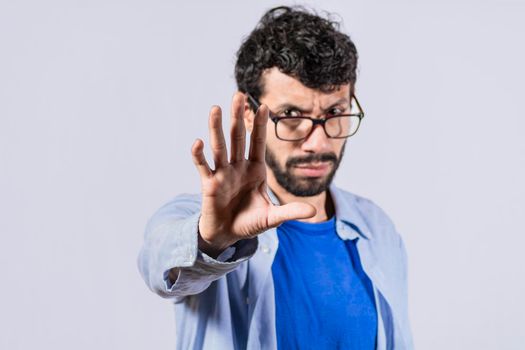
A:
(337, 146)
(278, 147)
(280, 150)
(271, 140)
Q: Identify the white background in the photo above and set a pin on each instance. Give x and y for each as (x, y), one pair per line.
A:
(100, 102)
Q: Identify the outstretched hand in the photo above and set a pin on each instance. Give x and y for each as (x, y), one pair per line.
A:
(235, 202)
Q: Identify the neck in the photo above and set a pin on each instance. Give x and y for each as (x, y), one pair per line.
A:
(322, 202)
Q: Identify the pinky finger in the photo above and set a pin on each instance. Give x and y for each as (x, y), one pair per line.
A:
(199, 160)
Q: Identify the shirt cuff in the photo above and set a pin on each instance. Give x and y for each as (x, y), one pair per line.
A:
(226, 255)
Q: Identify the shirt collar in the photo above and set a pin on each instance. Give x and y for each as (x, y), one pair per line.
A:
(346, 211)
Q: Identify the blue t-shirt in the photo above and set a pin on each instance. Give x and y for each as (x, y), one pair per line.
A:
(323, 298)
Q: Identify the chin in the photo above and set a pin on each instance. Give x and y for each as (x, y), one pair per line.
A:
(307, 187)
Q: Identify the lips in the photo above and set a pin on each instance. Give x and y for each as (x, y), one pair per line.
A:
(318, 169)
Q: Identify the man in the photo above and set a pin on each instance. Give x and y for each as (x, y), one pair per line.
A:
(271, 254)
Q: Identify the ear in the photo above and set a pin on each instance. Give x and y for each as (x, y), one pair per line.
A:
(249, 116)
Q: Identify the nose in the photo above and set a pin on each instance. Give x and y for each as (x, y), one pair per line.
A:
(317, 141)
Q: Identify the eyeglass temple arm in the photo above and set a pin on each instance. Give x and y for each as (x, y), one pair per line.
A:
(359, 106)
(253, 101)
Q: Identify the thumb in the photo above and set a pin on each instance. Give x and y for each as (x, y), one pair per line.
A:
(291, 211)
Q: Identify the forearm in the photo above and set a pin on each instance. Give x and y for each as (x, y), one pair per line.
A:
(171, 263)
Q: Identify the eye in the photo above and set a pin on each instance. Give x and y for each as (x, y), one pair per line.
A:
(336, 111)
(291, 113)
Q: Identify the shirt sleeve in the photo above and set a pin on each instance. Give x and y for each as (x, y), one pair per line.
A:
(171, 242)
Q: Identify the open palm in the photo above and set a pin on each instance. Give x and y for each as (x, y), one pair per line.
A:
(235, 203)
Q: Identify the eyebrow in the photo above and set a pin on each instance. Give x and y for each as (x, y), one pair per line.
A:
(341, 101)
(286, 105)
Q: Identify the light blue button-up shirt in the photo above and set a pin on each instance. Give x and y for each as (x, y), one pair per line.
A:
(228, 302)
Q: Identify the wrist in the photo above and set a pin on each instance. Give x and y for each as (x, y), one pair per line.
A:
(212, 248)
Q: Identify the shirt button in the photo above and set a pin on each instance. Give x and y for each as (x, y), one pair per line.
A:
(265, 249)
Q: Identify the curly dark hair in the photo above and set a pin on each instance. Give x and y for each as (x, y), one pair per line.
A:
(300, 44)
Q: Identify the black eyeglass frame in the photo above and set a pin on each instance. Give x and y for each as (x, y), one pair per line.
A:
(315, 121)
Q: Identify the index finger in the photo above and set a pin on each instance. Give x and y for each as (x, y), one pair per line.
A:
(258, 136)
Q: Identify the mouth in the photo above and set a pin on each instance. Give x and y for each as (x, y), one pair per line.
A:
(315, 169)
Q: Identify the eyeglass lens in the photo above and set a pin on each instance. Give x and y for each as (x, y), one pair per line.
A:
(296, 128)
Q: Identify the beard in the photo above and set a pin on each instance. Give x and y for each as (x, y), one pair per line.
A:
(303, 186)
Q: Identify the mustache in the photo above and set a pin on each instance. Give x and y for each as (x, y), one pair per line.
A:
(321, 157)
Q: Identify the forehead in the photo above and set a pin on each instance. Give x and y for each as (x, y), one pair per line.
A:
(282, 88)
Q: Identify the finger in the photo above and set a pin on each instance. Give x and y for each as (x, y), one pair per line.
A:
(291, 211)
(199, 160)
(238, 131)
(217, 143)
(258, 136)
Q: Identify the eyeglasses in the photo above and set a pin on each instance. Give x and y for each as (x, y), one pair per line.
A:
(336, 126)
